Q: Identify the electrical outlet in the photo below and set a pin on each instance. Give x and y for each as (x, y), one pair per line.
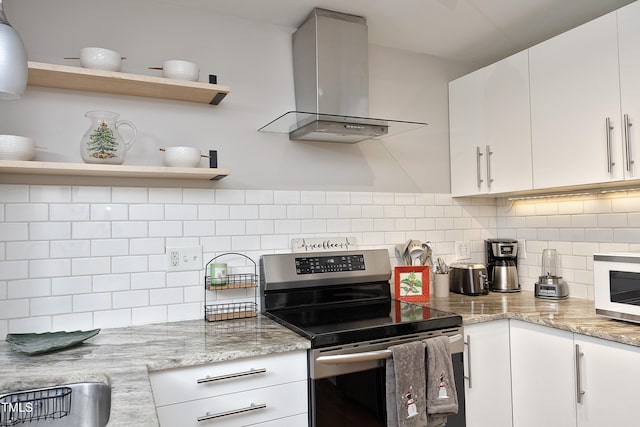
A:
(522, 249)
(184, 259)
(463, 249)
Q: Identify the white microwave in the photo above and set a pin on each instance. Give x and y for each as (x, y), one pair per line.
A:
(616, 281)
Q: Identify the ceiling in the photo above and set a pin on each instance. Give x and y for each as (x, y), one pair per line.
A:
(472, 31)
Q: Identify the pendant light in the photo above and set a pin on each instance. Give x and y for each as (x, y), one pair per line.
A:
(13, 61)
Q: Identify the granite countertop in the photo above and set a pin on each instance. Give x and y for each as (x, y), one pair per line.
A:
(124, 357)
(573, 314)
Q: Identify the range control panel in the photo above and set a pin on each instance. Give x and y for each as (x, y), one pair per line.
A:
(329, 264)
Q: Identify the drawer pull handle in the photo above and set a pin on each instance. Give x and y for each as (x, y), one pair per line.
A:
(252, 407)
(209, 379)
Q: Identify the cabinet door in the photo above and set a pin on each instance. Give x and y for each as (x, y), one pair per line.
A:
(490, 136)
(629, 39)
(543, 376)
(609, 378)
(487, 375)
(574, 90)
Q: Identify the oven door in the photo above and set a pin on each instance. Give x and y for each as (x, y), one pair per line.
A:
(347, 384)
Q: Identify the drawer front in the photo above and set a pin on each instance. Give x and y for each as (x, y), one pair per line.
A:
(280, 401)
(198, 382)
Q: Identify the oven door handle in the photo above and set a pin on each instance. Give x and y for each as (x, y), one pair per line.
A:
(367, 355)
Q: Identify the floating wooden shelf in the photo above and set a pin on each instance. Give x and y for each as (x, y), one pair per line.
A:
(66, 77)
(122, 171)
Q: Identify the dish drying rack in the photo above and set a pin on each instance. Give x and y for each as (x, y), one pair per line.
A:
(231, 310)
(34, 405)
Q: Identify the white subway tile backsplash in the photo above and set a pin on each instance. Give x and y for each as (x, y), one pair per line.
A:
(72, 322)
(112, 318)
(23, 212)
(258, 197)
(49, 268)
(111, 282)
(230, 197)
(165, 195)
(165, 228)
(109, 212)
(92, 302)
(147, 246)
(91, 230)
(49, 194)
(71, 285)
(91, 194)
(146, 212)
(245, 211)
(146, 315)
(95, 256)
(26, 250)
(129, 229)
(12, 193)
(129, 195)
(128, 299)
(286, 197)
(69, 212)
(181, 212)
(89, 266)
(30, 324)
(44, 306)
(198, 196)
(28, 288)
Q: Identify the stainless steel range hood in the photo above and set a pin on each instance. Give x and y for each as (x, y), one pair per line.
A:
(331, 78)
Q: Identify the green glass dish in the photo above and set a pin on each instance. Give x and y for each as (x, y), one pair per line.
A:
(48, 341)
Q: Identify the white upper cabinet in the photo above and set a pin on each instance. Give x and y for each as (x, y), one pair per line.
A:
(490, 137)
(629, 40)
(575, 106)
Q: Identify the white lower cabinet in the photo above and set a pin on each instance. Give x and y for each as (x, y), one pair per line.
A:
(267, 391)
(543, 376)
(487, 374)
(561, 379)
(609, 376)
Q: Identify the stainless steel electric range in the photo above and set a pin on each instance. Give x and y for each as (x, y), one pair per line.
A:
(341, 301)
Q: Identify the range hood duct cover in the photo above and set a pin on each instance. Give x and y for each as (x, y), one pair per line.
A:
(331, 81)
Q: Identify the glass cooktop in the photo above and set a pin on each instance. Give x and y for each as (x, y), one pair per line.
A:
(346, 323)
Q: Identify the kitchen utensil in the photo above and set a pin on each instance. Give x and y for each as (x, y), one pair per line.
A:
(179, 70)
(185, 157)
(14, 147)
(468, 279)
(550, 284)
(102, 143)
(100, 59)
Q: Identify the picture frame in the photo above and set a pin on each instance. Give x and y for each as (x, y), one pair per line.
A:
(411, 283)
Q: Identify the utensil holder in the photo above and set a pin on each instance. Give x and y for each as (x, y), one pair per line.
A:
(441, 285)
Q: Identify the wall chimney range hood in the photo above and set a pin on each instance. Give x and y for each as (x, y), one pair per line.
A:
(331, 79)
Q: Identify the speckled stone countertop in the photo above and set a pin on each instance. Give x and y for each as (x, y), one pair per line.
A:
(123, 357)
(573, 314)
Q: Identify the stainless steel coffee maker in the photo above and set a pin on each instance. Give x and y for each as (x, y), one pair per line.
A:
(502, 265)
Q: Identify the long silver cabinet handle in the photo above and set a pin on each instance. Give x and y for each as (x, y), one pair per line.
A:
(489, 153)
(253, 407)
(627, 142)
(609, 128)
(468, 344)
(579, 391)
(208, 379)
(478, 155)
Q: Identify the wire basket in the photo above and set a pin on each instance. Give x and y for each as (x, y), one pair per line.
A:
(233, 281)
(34, 405)
(232, 310)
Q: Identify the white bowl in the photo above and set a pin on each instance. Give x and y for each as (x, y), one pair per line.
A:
(100, 59)
(180, 70)
(185, 157)
(13, 147)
